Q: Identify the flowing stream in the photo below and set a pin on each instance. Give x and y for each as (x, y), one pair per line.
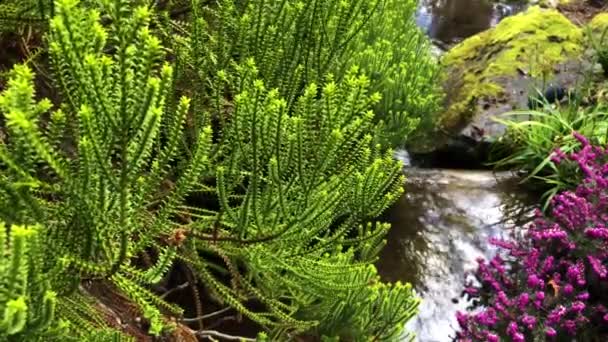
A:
(442, 223)
(439, 228)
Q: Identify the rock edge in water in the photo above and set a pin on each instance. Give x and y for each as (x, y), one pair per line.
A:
(495, 72)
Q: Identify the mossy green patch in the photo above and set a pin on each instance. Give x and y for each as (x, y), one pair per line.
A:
(533, 41)
(599, 23)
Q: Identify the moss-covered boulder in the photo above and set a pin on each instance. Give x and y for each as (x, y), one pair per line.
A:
(493, 72)
(599, 23)
(531, 43)
(598, 30)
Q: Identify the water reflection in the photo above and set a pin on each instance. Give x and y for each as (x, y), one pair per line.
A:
(450, 21)
(440, 226)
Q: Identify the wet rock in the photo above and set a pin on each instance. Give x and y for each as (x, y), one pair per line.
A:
(449, 22)
(598, 3)
(495, 72)
(459, 152)
(551, 3)
(553, 94)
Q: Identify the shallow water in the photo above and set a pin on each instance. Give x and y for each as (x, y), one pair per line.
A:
(443, 222)
(450, 21)
(439, 228)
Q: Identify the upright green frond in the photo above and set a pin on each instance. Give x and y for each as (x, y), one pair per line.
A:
(27, 305)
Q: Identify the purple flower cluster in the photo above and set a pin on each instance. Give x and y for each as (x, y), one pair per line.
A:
(553, 282)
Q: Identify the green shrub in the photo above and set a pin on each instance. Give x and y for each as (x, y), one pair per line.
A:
(291, 181)
(14, 14)
(27, 303)
(89, 170)
(395, 54)
(294, 44)
(31, 310)
(597, 35)
(310, 180)
(533, 137)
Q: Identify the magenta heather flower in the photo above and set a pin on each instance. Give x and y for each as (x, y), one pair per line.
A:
(523, 301)
(487, 318)
(597, 233)
(512, 329)
(558, 156)
(462, 318)
(556, 315)
(575, 273)
(550, 234)
(543, 278)
(570, 327)
(533, 280)
(471, 291)
(548, 264)
(528, 321)
(518, 337)
(581, 138)
(577, 307)
(596, 265)
(502, 297)
(491, 337)
(540, 295)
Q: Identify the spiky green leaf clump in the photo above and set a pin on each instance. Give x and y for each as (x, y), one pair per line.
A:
(27, 304)
(293, 177)
(292, 189)
(295, 44)
(534, 139)
(15, 14)
(395, 54)
(90, 170)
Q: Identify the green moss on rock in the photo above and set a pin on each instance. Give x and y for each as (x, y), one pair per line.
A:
(533, 42)
(599, 23)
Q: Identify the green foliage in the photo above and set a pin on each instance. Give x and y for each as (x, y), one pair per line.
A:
(599, 43)
(395, 54)
(17, 13)
(292, 189)
(103, 155)
(28, 305)
(294, 44)
(533, 136)
(291, 177)
(31, 309)
(375, 312)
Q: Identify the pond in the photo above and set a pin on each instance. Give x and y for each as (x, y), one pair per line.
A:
(439, 228)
